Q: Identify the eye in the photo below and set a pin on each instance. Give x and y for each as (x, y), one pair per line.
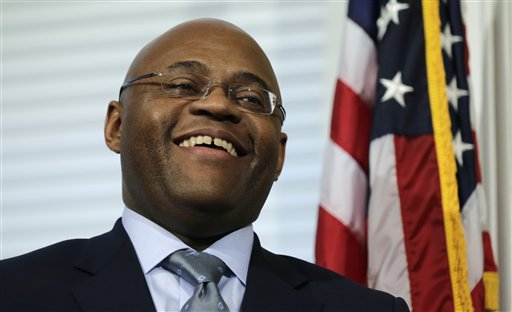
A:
(182, 87)
(250, 98)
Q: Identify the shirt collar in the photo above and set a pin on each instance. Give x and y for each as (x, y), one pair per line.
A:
(153, 243)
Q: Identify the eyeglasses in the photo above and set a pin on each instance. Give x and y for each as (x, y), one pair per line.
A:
(192, 86)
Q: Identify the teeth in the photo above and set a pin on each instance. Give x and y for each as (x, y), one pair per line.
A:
(217, 142)
(205, 139)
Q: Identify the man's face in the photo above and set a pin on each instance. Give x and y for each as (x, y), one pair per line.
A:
(197, 191)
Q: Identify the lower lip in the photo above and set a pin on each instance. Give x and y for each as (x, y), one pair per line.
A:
(209, 153)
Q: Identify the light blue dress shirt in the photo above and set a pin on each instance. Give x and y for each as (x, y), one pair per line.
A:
(153, 243)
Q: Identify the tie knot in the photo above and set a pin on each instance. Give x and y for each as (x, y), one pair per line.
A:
(195, 266)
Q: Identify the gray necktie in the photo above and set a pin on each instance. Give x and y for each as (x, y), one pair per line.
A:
(203, 271)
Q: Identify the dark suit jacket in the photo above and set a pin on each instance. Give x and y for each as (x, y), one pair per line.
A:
(104, 274)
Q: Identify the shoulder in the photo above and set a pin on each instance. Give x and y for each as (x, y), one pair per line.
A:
(59, 258)
(53, 256)
(43, 267)
(47, 275)
(42, 276)
(333, 290)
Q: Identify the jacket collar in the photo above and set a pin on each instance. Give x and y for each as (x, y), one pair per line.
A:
(117, 282)
(272, 284)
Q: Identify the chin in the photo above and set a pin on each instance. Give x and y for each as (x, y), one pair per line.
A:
(206, 197)
(208, 208)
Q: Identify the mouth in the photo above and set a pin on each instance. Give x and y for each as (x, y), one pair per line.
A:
(210, 142)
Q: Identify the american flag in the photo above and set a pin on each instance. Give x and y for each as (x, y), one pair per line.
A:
(402, 206)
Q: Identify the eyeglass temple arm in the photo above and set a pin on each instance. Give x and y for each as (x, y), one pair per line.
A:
(129, 82)
(283, 112)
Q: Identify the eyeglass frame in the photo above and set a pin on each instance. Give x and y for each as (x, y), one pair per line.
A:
(156, 74)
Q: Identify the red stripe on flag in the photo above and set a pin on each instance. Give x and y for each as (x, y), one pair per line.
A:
(338, 249)
(489, 264)
(351, 124)
(422, 216)
(478, 296)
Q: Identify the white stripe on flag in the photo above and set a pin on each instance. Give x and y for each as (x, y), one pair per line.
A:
(473, 236)
(387, 260)
(358, 67)
(344, 187)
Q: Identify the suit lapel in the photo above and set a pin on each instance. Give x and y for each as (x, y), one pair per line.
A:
(117, 282)
(272, 285)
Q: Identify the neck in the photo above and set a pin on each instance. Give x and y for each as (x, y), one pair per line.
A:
(198, 243)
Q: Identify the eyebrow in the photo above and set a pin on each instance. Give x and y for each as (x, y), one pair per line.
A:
(244, 77)
(195, 66)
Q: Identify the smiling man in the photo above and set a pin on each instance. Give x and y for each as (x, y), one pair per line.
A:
(198, 129)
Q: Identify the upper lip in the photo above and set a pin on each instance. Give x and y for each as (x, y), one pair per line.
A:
(238, 144)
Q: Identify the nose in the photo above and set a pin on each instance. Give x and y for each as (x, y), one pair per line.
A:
(216, 105)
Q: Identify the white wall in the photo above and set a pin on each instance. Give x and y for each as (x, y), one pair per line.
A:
(489, 30)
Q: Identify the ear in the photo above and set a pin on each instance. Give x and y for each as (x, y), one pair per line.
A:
(282, 148)
(113, 126)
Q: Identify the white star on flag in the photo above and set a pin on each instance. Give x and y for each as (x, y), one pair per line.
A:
(395, 89)
(382, 22)
(447, 40)
(389, 13)
(460, 147)
(455, 93)
(394, 8)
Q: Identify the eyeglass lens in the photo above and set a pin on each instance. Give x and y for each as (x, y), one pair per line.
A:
(194, 86)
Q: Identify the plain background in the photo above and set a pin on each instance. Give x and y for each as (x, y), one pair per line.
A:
(63, 61)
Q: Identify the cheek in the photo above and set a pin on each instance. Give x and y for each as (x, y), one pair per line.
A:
(267, 155)
(152, 120)
(145, 138)
(156, 116)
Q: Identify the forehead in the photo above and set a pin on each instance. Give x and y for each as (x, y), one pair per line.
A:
(223, 51)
